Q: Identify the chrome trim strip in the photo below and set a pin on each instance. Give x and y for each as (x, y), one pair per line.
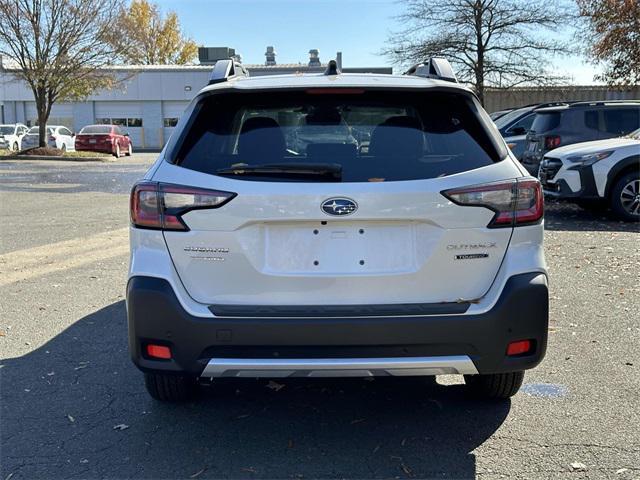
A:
(338, 367)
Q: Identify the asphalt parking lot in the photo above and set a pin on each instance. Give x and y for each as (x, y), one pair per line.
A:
(73, 406)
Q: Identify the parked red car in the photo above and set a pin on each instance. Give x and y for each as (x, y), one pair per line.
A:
(104, 138)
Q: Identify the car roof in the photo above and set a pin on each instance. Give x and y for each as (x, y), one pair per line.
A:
(348, 80)
(599, 104)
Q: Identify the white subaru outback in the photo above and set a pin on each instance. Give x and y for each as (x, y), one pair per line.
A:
(336, 225)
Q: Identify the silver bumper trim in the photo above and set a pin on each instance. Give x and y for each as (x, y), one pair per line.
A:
(338, 367)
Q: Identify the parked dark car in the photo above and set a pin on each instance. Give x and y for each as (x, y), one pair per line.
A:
(554, 127)
(104, 138)
(500, 113)
(514, 125)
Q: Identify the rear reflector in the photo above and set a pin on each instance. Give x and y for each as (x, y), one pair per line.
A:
(160, 205)
(516, 202)
(159, 351)
(519, 348)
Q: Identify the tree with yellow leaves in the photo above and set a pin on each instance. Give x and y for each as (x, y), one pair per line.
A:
(150, 39)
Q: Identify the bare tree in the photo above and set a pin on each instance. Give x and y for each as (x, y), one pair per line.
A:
(490, 43)
(59, 47)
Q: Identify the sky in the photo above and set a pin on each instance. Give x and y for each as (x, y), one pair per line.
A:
(357, 28)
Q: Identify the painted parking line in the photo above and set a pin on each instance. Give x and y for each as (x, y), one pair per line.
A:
(54, 257)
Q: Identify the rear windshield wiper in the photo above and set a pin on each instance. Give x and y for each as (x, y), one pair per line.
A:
(289, 170)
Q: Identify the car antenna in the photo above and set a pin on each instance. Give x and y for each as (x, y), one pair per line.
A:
(332, 68)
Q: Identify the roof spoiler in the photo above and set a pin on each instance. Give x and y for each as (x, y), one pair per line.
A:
(437, 67)
(227, 69)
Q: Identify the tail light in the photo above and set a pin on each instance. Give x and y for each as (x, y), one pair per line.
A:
(516, 202)
(551, 142)
(160, 206)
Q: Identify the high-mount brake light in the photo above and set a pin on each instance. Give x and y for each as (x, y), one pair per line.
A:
(160, 206)
(516, 202)
(335, 91)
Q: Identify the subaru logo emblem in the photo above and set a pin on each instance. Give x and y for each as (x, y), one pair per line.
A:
(339, 206)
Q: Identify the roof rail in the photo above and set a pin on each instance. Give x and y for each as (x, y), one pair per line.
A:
(226, 69)
(437, 67)
(596, 103)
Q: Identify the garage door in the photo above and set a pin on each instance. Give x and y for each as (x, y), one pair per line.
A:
(127, 115)
(171, 113)
(61, 114)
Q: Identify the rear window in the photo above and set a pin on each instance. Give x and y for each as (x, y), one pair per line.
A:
(511, 116)
(37, 130)
(545, 122)
(96, 130)
(351, 137)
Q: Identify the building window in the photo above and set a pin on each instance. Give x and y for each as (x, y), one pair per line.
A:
(122, 122)
(170, 122)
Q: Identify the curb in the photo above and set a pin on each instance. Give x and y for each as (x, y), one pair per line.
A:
(59, 158)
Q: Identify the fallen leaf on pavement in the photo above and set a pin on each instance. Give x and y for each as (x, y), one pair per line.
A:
(577, 467)
(275, 385)
(248, 469)
(621, 471)
(121, 426)
(242, 416)
(358, 420)
(71, 419)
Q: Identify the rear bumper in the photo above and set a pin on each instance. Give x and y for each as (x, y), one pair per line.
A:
(431, 343)
(94, 148)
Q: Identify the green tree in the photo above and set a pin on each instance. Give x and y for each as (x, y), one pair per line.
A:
(59, 48)
(613, 35)
(150, 39)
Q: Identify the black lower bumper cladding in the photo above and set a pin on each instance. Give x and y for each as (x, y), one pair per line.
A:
(156, 316)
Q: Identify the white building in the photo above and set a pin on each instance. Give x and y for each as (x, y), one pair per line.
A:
(148, 102)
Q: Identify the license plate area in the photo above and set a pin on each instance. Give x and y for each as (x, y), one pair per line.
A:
(92, 140)
(340, 248)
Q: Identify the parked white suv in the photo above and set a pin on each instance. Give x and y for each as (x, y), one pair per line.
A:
(414, 250)
(603, 172)
(11, 136)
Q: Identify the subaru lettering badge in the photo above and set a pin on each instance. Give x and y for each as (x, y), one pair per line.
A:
(339, 206)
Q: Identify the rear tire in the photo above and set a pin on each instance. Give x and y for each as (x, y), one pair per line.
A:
(129, 150)
(495, 386)
(117, 152)
(170, 388)
(15, 147)
(625, 197)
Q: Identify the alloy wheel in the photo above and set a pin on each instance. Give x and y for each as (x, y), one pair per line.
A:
(630, 197)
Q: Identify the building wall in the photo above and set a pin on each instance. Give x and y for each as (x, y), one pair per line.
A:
(499, 99)
(152, 94)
